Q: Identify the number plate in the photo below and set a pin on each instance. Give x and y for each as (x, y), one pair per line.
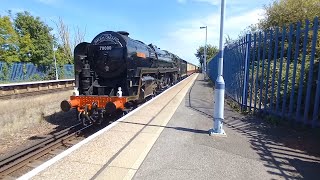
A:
(105, 48)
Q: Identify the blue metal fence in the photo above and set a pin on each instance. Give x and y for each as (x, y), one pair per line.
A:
(275, 72)
(18, 72)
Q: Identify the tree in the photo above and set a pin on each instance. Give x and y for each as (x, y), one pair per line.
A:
(211, 52)
(65, 49)
(8, 41)
(284, 12)
(35, 38)
(79, 36)
(26, 48)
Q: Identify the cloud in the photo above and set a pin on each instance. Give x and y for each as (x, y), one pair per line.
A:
(186, 37)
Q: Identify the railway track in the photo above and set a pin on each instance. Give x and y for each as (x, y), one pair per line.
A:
(19, 163)
(18, 90)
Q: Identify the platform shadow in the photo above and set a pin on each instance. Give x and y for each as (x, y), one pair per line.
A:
(169, 127)
(286, 151)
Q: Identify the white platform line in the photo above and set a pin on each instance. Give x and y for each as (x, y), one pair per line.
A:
(85, 141)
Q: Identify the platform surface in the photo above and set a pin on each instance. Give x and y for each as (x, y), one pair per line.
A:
(252, 149)
(168, 139)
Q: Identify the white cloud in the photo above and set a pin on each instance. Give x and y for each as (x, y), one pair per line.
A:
(187, 36)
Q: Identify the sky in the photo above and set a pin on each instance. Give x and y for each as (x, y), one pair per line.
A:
(173, 25)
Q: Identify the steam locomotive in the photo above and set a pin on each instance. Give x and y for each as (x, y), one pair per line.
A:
(115, 73)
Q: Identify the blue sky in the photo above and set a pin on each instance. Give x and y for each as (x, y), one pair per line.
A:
(170, 24)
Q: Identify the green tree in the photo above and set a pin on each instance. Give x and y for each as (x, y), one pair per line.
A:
(35, 38)
(62, 56)
(26, 48)
(284, 12)
(211, 52)
(8, 41)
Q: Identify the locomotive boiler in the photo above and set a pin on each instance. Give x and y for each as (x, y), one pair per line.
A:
(114, 73)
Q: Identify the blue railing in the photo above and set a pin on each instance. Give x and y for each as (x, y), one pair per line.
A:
(20, 72)
(275, 72)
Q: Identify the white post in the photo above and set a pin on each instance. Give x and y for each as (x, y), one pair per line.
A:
(218, 114)
(55, 62)
(205, 53)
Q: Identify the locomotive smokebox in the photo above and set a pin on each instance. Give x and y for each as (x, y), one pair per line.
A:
(107, 53)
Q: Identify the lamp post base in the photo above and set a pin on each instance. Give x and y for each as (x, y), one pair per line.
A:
(218, 114)
(212, 132)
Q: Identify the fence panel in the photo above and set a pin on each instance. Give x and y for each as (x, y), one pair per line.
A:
(287, 72)
(275, 72)
(22, 72)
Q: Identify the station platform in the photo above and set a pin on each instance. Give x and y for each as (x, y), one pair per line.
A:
(167, 138)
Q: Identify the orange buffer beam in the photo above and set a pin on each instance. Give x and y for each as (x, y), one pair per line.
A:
(110, 104)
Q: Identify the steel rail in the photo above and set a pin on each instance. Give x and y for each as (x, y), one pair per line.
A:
(13, 162)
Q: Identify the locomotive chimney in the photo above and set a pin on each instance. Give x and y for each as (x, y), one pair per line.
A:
(125, 33)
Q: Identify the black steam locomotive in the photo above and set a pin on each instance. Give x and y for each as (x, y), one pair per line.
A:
(114, 73)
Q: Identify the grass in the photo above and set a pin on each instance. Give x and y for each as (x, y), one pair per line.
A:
(17, 114)
(234, 105)
(273, 120)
